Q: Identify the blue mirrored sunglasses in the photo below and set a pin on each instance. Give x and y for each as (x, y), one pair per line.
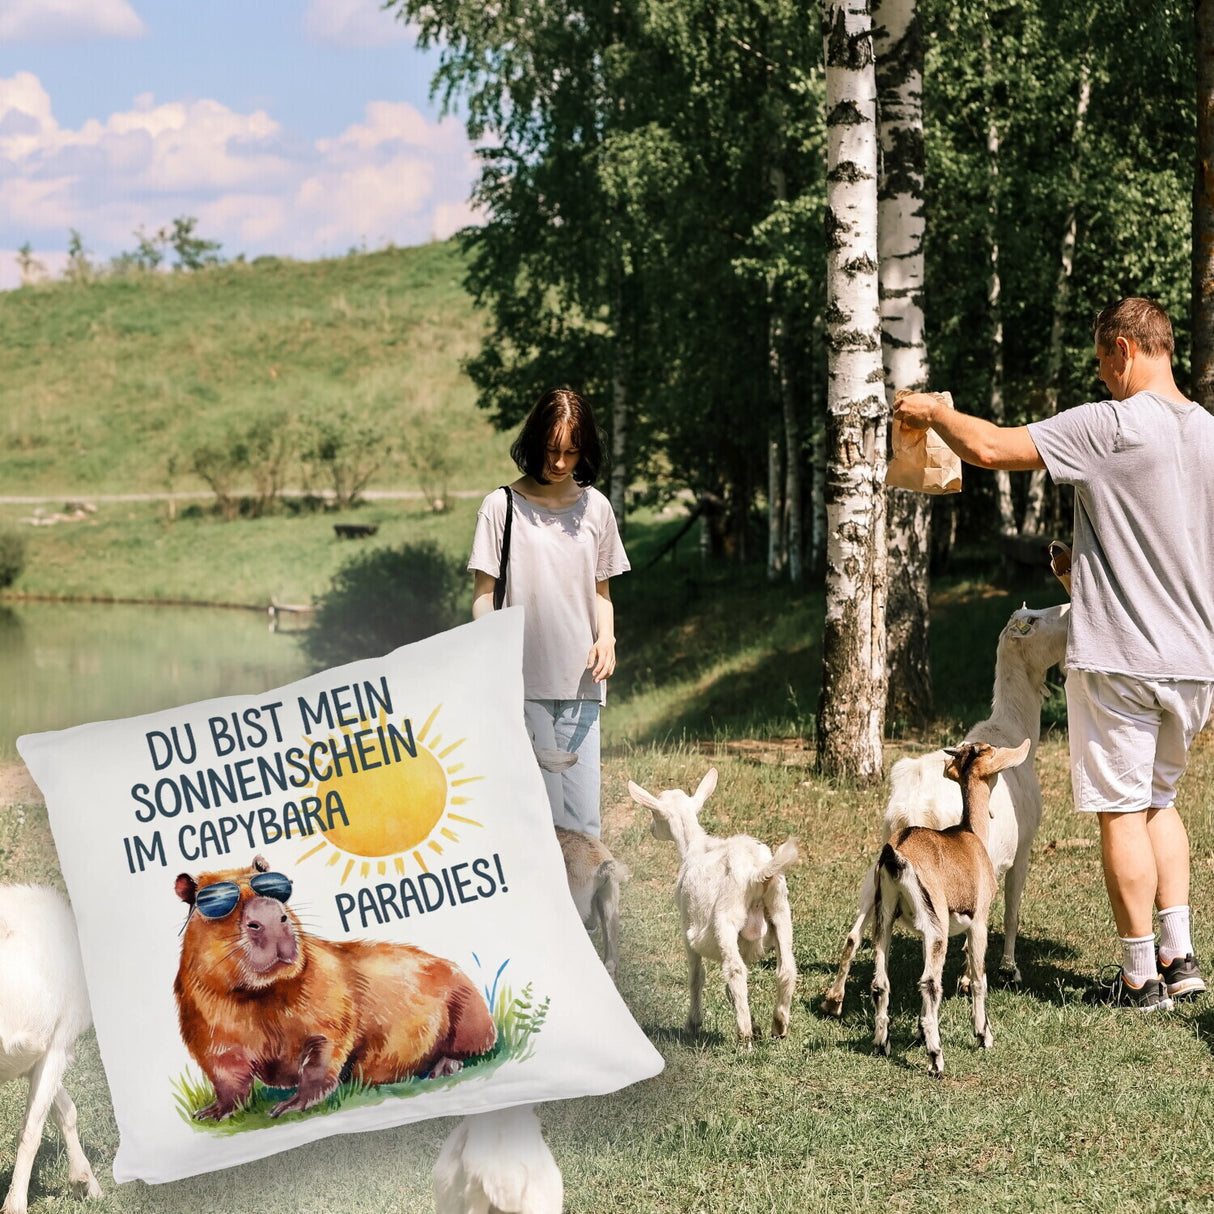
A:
(215, 901)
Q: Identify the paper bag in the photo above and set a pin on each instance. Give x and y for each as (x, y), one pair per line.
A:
(921, 460)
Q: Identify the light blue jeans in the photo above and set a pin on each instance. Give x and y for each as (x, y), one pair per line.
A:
(571, 726)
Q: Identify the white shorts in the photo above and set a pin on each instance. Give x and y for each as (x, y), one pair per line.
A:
(1130, 738)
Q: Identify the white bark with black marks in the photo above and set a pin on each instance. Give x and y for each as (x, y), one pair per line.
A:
(899, 61)
(852, 705)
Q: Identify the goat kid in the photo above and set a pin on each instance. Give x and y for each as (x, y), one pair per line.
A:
(43, 1009)
(498, 1163)
(594, 876)
(1031, 642)
(941, 883)
(733, 902)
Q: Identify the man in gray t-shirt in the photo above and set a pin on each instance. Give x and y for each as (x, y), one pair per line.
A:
(1140, 655)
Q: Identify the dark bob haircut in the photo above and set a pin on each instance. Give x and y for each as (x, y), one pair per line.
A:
(557, 409)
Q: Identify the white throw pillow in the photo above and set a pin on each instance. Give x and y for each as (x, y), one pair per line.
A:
(336, 906)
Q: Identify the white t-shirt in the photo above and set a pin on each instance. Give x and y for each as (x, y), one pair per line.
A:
(1142, 573)
(556, 557)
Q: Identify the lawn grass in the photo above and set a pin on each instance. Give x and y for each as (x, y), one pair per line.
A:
(1075, 1107)
(107, 387)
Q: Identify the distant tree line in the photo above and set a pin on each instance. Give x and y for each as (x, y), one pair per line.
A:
(178, 241)
(330, 457)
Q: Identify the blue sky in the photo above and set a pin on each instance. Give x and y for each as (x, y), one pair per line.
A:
(297, 127)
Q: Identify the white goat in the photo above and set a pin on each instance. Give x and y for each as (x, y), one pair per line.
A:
(44, 1007)
(498, 1163)
(733, 900)
(1030, 643)
(940, 883)
(594, 876)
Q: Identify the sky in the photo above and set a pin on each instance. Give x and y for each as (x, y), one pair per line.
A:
(300, 128)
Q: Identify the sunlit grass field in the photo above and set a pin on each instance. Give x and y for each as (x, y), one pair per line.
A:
(1075, 1108)
(107, 387)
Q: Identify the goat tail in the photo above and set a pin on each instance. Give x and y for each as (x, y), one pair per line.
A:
(787, 854)
(892, 862)
(612, 870)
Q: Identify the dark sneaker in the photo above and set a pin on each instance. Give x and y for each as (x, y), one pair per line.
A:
(1182, 977)
(1151, 996)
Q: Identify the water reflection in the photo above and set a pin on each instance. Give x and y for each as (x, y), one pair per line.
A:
(65, 664)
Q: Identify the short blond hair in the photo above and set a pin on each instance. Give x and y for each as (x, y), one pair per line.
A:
(1141, 320)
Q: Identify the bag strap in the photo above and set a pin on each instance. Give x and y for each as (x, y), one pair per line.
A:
(499, 587)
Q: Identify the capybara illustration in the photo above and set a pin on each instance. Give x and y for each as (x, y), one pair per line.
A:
(260, 998)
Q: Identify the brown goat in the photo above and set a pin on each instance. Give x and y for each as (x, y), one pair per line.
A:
(940, 883)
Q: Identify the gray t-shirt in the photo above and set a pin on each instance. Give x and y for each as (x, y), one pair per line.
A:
(556, 557)
(1142, 574)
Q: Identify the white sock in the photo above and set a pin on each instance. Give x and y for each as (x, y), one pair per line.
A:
(1138, 958)
(1174, 938)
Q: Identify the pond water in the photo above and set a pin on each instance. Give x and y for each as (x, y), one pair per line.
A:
(65, 664)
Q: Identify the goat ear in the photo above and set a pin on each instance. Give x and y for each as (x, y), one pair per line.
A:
(641, 797)
(706, 787)
(1008, 756)
(185, 887)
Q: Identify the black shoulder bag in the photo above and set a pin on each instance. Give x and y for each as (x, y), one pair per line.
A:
(499, 587)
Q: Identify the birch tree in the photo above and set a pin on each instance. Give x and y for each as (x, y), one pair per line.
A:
(899, 65)
(852, 705)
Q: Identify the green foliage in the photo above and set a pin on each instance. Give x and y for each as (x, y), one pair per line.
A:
(343, 451)
(191, 251)
(12, 556)
(79, 270)
(385, 598)
(432, 454)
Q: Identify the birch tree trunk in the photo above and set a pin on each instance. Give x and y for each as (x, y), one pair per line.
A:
(1062, 291)
(899, 66)
(1203, 211)
(852, 706)
(1003, 482)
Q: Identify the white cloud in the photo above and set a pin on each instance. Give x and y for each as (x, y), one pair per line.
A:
(395, 177)
(355, 23)
(68, 20)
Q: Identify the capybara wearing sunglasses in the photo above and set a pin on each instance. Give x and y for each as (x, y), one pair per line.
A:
(259, 998)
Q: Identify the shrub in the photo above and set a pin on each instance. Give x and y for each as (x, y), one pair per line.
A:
(382, 599)
(12, 557)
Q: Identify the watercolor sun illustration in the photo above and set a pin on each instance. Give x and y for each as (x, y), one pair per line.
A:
(400, 809)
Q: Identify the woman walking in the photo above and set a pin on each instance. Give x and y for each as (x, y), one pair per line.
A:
(562, 546)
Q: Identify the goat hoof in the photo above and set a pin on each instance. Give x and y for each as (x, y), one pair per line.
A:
(1009, 975)
(881, 1049)
(832, 1006)
(986, 1038)
(85, 1185)
(936, 1066)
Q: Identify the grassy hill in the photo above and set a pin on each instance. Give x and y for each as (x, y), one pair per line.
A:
(109, 386)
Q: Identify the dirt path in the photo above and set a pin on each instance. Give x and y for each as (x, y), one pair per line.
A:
(17, 786)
